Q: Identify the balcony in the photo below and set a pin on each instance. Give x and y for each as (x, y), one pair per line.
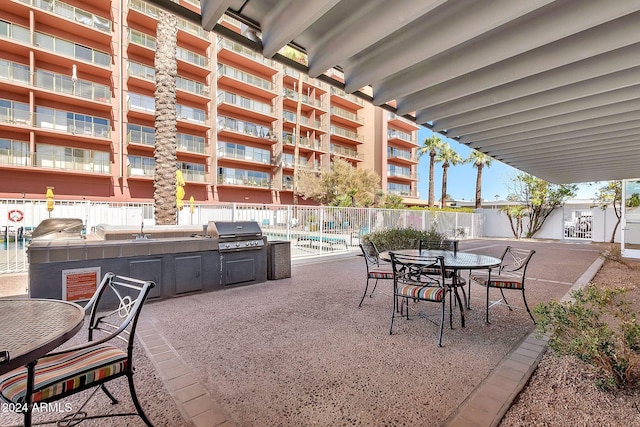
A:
(72, 159)
(303, 142)
(142, 135)
(398, 136)
(72, 123)
(192, 86)
(14, 153)
(292, 76)
(235, 78)
(401, 122)
(15, 72)
(236, 53)
(243, 153)
(348, 100)
(151, 14)
(73, 50)
(141, 39)
(308, 102)
(345, 135)
(401, 173)
(244, 178)
(192, 61)
(60, 83)
(342, 116)
(190, 143)
(235, 128)
(13, 32)
(339, 150)
(403, 156)
(141, 167)
(14, 113)
(307, 122)
(190, 175)
(238, 104)
(141, 71)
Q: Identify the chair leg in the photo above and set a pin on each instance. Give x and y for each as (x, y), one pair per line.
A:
(108, 393)
(462, 322)
(365, 292)
(527, 307)
(505, 300)
(441, 325)
(136, 402)
(487, 307)
(393, 312)
(375, 285)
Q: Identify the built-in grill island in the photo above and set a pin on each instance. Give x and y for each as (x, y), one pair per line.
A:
(243, 251)
(180, 259)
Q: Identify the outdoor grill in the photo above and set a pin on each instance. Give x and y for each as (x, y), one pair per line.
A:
(243, 251)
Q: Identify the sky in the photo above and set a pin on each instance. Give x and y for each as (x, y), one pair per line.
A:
(461, 179)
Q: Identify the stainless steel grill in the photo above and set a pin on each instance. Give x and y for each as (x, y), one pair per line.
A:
(236, 236)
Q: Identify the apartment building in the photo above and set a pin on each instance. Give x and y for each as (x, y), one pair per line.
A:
(77, 108)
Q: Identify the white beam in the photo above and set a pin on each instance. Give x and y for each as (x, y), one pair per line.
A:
(212, 11)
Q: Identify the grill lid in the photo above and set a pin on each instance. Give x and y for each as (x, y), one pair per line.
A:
(234, 230)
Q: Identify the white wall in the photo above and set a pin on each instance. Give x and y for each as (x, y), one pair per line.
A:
(496, 224)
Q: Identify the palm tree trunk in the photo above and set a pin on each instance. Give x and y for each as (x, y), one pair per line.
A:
(479, 186)
(165, 153)
(443, 199)
(432, 163)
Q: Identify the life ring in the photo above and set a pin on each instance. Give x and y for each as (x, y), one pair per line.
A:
(15, 215)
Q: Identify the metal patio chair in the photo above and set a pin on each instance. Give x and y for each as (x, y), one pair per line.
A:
(376, 269)
(65, 372)
(410, 282)
(446, 245)
(509, 276)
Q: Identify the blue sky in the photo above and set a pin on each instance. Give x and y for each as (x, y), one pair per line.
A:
(461, 179)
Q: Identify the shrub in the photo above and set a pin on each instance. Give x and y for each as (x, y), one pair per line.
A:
(599, 328)
(401, 238)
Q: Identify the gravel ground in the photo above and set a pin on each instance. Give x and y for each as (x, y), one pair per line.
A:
(562, 390)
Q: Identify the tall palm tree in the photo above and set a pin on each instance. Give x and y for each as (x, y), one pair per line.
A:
(449, 157)
(431, 145)
(165, 152)
(479, 160)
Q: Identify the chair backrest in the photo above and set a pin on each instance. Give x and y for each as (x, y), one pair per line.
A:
(120, 322)
(515, 261)
(444, 244)
(371, 254)
(417, 270)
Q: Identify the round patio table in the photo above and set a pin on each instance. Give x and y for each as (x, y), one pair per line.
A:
(455, 261)
(32, 328)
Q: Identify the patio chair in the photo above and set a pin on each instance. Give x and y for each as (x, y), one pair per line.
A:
(376, 269)
(65, 372)
(410, 282)
(446, 245)
(510, 275)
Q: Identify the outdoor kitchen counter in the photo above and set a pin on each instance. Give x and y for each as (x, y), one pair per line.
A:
(94, 248)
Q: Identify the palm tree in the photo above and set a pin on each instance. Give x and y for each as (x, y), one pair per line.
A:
(431, 145)
(479, 160)
(165, 152)
(449, 157)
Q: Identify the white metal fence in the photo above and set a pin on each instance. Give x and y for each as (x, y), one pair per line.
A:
(312, 230)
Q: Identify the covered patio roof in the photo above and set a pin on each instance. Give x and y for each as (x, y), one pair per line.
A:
(549, 87)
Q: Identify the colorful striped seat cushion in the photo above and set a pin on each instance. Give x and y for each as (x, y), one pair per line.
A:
(380, 273)
(62, 373)
(434, 270)
(429, 293)
(499, 281)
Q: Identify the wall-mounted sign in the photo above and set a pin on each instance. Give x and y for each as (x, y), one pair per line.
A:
(80, 284)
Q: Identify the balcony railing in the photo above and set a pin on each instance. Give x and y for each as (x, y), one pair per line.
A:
(344, 151)
(48, 156)
(336, 130)
(346, 114)
(142, 39)
(192, 57)
(141, 166)
(399, 192)
(291, 94)
(14, 153)
(233, 151)
(402, 154)
(291, 117)
(244, 102)
(138, 136)
(71, 49)
(245, 77)
(244, 51)
(400, 173)
(193, 175)
(287, 139)
(248, 128)
(17, 113)
(192, 86)
(141, 103)
(142, 71)
(305, 78)
(65, 84)
(11, 31)
(152, 11)
(73, 13)
(191, 114)
(341, 93)
(14, 71)
(190, 143)
(48, 118)
(244, 179)
(397, 134)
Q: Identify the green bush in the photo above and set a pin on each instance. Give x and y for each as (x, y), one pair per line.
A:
(401, 238)
(599, 328)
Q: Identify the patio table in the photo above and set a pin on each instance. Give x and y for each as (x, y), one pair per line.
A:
(32, 328)
(455, 261)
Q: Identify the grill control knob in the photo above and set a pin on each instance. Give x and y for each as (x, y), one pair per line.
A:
(227, 245)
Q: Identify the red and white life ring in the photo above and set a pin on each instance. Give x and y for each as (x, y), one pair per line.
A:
(15, 215)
